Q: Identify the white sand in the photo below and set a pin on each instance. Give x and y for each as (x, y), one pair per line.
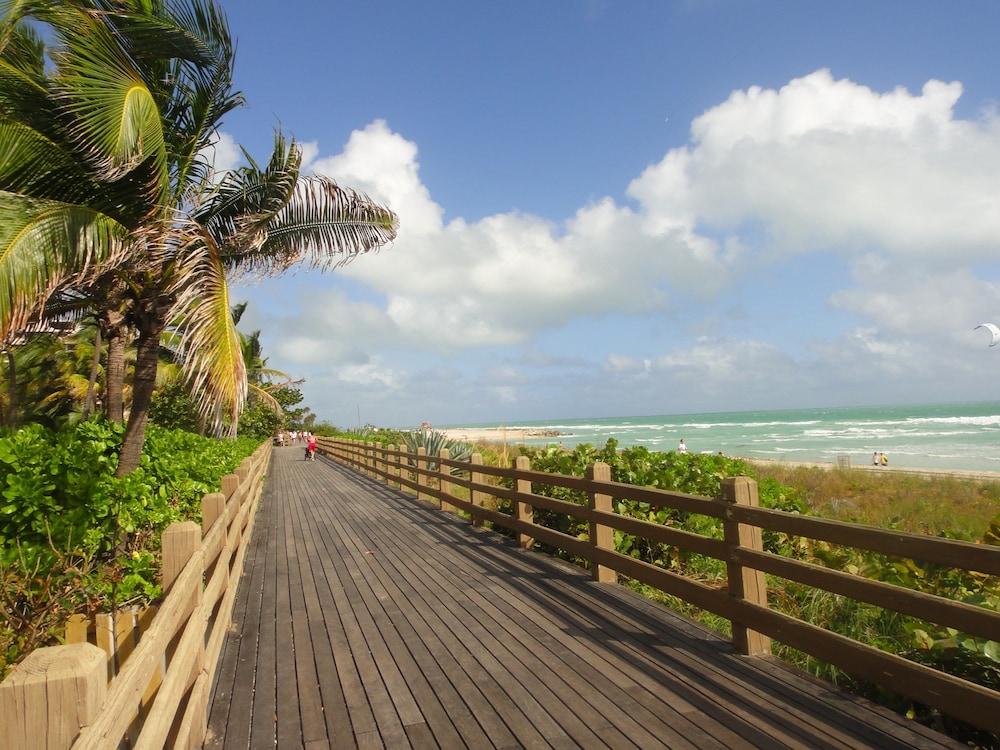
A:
(497, 434)
(982, 475)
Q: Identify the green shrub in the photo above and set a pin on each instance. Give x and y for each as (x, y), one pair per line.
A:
(259, 421)
(434, 442)
(67, 524)
(173, 408)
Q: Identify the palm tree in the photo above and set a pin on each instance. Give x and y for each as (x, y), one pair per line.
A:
(105, 186)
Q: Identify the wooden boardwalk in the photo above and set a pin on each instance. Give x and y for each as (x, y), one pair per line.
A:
(367, 619)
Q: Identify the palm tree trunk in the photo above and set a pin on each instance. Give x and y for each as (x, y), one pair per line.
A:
(11, 390)
(147, 358)
(95, 366)
(115, 375)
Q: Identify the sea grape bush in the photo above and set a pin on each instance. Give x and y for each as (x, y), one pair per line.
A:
(58, 488)
(68, 524)
(699, 474)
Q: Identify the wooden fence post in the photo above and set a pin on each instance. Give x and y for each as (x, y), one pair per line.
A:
(421, 466)
(745, 583)
(523, 511)
(230, 482)
(384, 454)
(601, 536)
(213, 506)
(180, 540)
(475, 496)
(51, 695)
(404, 461)
(389, 470)
(443, 484)
(243, 470)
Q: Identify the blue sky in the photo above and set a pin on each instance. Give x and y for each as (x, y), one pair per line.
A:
(636, 207)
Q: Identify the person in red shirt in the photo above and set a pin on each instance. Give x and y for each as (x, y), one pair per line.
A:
(311, 447)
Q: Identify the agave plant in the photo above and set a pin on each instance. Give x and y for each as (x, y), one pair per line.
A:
(434, 442)
(107, 188)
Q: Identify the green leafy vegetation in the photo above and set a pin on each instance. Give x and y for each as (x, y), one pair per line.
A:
(75, 537)
(434, 442)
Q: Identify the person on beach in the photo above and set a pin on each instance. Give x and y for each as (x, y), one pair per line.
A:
(682, 448)
(875, 458)
(883, 459)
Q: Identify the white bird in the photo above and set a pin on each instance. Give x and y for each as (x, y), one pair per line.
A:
(994, 332)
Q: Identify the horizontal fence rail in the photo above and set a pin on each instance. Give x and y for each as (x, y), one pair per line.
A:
(743, 600)
(142, 678)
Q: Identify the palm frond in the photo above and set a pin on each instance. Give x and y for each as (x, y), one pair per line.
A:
(115, 115)
(285, 378)
(246, 200)
(323, 226)
(44, 244)
(267, 398)
(24, 97)
(209, 93)
(22, 47)
(210, 348)
(33, 165)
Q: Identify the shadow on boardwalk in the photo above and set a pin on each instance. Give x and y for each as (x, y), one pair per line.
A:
(367, 619)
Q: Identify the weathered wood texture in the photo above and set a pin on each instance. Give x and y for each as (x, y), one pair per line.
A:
(365, 618)
(745, 603)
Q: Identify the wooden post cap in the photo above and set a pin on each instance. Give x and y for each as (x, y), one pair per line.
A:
(51, 695)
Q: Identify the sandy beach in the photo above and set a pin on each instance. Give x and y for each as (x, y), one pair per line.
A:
(496, 434)
(958, 473)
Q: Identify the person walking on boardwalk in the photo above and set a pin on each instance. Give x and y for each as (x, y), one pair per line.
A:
(311, 448)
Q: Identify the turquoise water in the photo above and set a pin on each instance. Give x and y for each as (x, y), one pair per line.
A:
(942, 436)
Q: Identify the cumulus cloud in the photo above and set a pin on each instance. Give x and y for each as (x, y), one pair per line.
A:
(500, 279)
(824, 163)
(820, 164)
(893, 183)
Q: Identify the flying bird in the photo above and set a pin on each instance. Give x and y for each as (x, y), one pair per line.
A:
(994, 332)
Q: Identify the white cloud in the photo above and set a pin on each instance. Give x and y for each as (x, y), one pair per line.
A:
(825, 163)
(223, 155)
(820, 164)
(892, 182)
(942, 307)
(500, 279)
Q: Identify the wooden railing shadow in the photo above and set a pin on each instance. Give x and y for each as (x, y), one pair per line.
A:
(611, 621)
(744, 599)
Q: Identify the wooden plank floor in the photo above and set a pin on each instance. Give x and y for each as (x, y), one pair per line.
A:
(366, 619)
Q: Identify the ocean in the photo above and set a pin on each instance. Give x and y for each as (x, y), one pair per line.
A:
(939, 436)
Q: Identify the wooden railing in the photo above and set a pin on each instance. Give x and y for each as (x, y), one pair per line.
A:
(744, 600)
(146, 678)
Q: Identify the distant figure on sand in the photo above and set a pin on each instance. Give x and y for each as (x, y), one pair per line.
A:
(875, 458)
(883, 459)
(682, 448)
